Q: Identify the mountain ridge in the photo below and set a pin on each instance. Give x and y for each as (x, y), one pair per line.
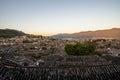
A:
(8, 33)
(113, 33)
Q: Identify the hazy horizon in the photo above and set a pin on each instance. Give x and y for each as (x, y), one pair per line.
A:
(49, 17)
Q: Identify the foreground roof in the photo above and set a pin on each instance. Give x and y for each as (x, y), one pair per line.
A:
(97, 72)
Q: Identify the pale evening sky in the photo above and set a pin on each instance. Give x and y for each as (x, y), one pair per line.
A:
(49, 17)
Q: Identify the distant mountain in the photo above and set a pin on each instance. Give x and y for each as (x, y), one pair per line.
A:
(113, 33)
(8, 33)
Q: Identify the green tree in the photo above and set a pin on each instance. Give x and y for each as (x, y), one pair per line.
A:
(26, 41)
(80, 49)
(90, 47)
(69, 49)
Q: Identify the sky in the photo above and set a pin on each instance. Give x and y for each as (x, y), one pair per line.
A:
(48, 17)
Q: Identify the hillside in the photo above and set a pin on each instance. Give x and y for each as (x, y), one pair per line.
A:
(8, 33)
(113, 33)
